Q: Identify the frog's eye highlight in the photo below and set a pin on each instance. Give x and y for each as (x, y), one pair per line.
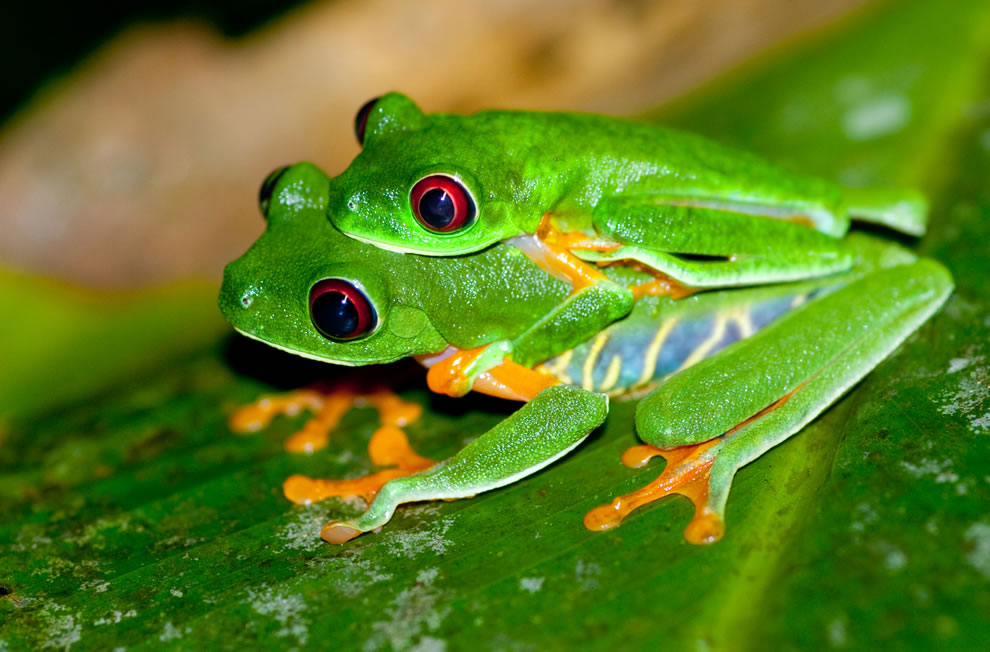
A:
(361, 119)
(268, 187)
(341, 311)
(442, 204)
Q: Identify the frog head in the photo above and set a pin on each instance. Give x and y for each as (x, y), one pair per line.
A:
(306, 288)
(429, 184)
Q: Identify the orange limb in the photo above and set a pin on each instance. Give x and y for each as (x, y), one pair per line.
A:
(257, 415)
(550, 250)
(801, 220)
(388, 446)
(513, 381)
(328, 409)
(315, 434)
(392, 410)
(571, 239)
(662, 286)
(687, 473)
(450, 375)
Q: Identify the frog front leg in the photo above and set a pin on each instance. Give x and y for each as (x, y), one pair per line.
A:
(541, 431)
(585, 312)
(724, 412)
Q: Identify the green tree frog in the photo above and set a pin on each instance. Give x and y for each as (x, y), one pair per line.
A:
(723, 376)
(571, 190)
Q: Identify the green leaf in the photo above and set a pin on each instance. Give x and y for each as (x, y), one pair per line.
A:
(135, 518)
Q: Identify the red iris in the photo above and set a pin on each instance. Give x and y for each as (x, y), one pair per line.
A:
(441, 204)
(340, 311)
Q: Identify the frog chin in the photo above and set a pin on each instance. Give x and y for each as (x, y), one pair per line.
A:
(303, 354)
(407, 249)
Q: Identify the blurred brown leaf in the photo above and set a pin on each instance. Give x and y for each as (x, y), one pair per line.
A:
(143, 165)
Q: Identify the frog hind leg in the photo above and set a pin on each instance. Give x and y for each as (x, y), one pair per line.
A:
(541, 431)
(707, 245)
(779, 380)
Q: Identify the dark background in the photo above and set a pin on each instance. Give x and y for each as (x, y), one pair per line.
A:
(42, 41)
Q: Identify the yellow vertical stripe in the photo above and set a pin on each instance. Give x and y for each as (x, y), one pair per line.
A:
(557, 367)
(703, 349)
(653, 351)
(587, 381)
(612, 375)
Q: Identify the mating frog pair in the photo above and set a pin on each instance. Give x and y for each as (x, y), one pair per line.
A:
(559, 259)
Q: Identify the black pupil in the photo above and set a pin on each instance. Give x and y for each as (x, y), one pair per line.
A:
(437, 208)
(335, 314)
(267, 188)
(361, 119)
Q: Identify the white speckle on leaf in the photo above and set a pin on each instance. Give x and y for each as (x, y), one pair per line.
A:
(115, 617)
(177, 593)
(587, 574)
(876, 116)
(413, 610)
(958, 364)
(531, 584)
(170, 633)
(349, 577)
(941, 470)
(98, 586)
(863, 515)
(429, 644)
(836, 632)
(895, 559)
(971, 398)
(926, 466)
(946, 476)
(977, 538)
(285, 608)
(427, 536)
(302, 531)
(61, 629)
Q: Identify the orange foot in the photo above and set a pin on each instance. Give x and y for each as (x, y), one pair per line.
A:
(388, 447)
(687, 473)
(328, 409)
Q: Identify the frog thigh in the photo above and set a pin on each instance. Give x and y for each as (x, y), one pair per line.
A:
(704, 246)
(760, 391)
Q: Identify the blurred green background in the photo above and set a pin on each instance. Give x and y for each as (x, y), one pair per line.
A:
(129, 514)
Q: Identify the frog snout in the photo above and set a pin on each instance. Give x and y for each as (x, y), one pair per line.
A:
(236, 296)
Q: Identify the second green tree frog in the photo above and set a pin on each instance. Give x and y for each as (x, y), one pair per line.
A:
(724, 376)
(571, 190)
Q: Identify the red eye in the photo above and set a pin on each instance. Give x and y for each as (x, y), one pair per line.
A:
(340, 311)
(442, 204)
(361, 119)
